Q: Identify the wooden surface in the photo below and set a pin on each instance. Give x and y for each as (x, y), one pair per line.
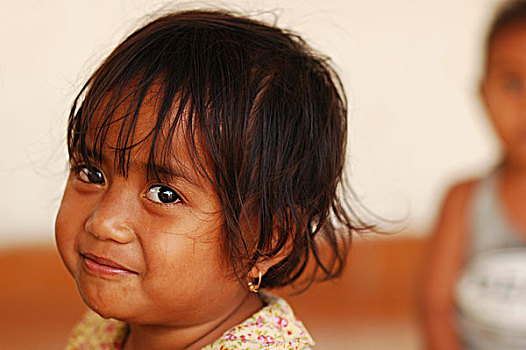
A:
(38, 300)
(373, 305)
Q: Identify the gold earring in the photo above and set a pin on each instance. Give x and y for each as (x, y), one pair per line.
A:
(254, 288)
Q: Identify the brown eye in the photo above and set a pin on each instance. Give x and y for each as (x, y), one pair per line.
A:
(162, 194)
(91, 175)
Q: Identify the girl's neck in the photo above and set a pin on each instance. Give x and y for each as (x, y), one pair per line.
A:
(190, 338)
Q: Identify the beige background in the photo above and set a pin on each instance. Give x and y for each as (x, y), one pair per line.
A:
(410, 68)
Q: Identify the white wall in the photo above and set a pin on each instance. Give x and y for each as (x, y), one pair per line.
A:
(410, 68)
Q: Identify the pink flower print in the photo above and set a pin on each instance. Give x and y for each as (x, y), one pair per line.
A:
(230, 336)
(243, 338)
(266, 340)
(280, 322)
(109, 328)
(259, 322)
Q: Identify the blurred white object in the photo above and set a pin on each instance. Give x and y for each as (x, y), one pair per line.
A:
(491, 300)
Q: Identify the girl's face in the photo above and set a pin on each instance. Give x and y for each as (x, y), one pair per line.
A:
(146, 252)
(504, 90)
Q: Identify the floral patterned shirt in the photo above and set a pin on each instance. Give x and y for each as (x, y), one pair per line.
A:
(272, 327)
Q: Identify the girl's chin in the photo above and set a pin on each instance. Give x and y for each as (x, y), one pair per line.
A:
(107, 305)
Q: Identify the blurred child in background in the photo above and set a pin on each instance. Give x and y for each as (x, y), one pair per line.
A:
(475, 286)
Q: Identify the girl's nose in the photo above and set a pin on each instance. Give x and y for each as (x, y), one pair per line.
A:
(112, 219)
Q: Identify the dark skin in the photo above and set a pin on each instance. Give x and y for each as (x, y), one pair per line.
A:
(149, 253)
(503, 93)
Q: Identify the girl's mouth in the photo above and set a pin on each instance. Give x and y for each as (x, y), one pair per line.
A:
(104, 266)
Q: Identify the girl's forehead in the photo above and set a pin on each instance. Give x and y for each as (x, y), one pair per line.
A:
(124, 119)
(124, 132)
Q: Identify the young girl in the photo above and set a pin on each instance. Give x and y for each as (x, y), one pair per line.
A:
(476, 283)
(206, 156)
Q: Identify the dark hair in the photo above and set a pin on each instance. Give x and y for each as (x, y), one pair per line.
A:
(509, 13)
(271, 117)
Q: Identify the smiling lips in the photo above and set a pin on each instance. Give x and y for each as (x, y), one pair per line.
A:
(104, 266)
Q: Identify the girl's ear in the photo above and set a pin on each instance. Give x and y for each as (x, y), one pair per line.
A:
(265, 263)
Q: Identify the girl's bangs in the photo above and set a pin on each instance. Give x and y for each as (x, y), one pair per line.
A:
(120, 106)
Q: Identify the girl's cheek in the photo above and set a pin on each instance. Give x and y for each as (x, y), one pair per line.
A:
(61, 221)
(64, 240)
(67, 225)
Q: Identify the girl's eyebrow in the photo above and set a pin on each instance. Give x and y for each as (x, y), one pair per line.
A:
(181, 171)
(89, 152)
